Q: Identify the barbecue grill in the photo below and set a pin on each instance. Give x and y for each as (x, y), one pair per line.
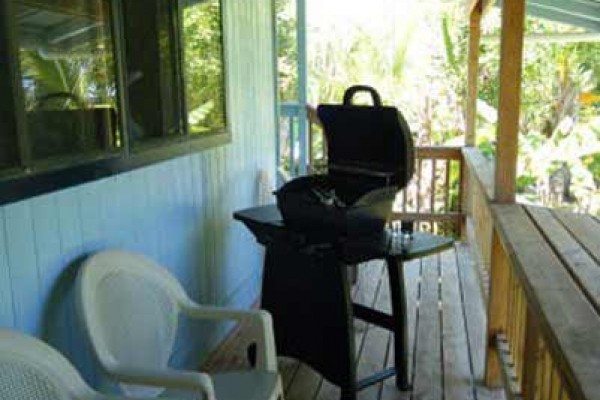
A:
(370, 157)
(324, 223)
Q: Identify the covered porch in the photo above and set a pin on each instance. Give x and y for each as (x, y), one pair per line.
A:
(486, 319)
(481, 322)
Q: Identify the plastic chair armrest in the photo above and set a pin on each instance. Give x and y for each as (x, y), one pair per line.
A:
(109, 397)
(168, 378)
(112, 397)
(260, 328)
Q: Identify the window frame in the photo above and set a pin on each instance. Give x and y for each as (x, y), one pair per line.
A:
(29, 178)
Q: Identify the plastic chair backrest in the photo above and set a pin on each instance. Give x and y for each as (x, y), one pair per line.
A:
(130, 307)
(32, 370)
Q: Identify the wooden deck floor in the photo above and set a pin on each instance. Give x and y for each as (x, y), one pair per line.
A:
(446, 336)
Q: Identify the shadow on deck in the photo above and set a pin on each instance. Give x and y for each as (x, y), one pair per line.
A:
(446, 336)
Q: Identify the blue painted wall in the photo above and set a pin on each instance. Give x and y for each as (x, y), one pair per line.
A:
(177, 212)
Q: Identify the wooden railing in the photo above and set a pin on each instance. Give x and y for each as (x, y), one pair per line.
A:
(543, 330)
(478, 197)
(433, 198)
(520, 328)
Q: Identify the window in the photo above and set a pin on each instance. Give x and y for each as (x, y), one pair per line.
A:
(204, 67)
(175, 69)
(68, 80)
(9, 153)
(152, 70)
(95, 87)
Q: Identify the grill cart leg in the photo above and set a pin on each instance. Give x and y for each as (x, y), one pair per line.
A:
(400, 321)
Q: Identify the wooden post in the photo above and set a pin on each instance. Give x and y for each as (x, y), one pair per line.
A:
(511, 60)
(465, 198)
(497, 310)
(276, 96)
(473, 74)
(301, 36)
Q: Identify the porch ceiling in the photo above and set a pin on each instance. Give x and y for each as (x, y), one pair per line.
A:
(581, 13)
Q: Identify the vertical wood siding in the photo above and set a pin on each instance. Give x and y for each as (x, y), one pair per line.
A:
(178, 212)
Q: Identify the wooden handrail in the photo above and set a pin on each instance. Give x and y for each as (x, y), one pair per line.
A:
(452, 216)
(478, 181)
(550, 328)
(482, 170)
(544, 304)
(439, 152)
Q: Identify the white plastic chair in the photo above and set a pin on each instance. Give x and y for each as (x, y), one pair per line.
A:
(130, 307)
(32, 370)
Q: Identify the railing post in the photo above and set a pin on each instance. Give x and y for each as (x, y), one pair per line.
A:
(276, 96)
(511, 60)
(292, 130)
(464, 198)
(302, 86)
(310, 143)
(302, 140)
(497, 310)
(473, 74)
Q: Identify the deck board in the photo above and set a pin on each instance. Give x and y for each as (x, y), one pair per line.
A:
(446, 344)
(475, 322)
(428, 377)
(457, 371)
(373, 354)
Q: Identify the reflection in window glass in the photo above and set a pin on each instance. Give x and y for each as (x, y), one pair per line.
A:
(68, 77)
(9, 152)
(153, 81)
(203, 64)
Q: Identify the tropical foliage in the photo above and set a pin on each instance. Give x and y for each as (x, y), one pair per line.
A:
(559, 147)
(417, 60)
(87, 76)
(204, 74)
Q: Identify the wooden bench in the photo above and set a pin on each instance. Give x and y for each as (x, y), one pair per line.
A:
(544, 310)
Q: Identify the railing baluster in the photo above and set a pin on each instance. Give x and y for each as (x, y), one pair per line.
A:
(520, 342)
(311, 155)
(292, 165)
(531, 359)
(446, 186)
(419, 179)
(547, 383)
(433, 185)
(556, 384)
(509, 306)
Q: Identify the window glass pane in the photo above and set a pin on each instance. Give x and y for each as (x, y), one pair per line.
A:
(9, 155)
(68, 76)
(203, 65)
(153, 83)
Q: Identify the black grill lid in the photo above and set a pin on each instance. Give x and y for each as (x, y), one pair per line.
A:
(371, 140)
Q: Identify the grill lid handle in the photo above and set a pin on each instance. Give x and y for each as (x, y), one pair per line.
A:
(351, 91)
